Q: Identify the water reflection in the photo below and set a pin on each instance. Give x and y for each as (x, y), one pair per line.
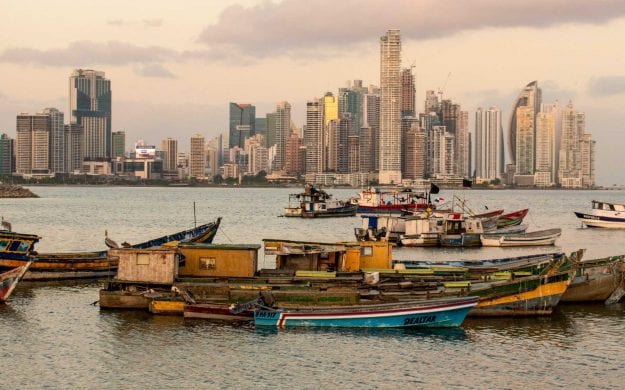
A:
(442, 334)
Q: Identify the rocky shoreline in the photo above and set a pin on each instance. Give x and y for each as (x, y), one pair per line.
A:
(11, 191)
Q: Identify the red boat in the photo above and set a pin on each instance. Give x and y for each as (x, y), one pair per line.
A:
(390, 201)
(512, 219)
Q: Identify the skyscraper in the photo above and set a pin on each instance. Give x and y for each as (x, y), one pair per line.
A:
(6, 154)
(314, 136)
(576, 150)
(525, 140)
(545, 149)
(488, 144)
(74, 143)
(390, 108)
(57, 150)
(369, 150)
(242, 123)
(283, 129)
(408, 92)
(33, 144)
(530, 96)
(118, 139)
(90, 106)
(170, 154)
(197, 157)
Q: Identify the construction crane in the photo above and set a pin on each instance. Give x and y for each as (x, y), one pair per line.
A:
(441, 90)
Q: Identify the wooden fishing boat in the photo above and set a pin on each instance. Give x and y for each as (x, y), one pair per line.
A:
(521, 286)
(96, 264)
(596, 280)
(390, 201)
(536, 238)
(317, 203)
(18, 248)
(216, 312)
(604, 215)
(530, 295)
(422, 231)
(10, 279)
(430, 313)
(512, 219)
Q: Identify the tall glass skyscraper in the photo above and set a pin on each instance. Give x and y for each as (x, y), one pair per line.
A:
(90, 106)
(530, 96)
(390, 108)
(242, 123)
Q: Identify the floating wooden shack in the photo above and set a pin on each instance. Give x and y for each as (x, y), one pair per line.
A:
(142, 275)
(218, 260)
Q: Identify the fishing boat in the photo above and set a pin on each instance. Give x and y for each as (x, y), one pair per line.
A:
(597, 280)
(465, 232)
(535, 238)
(378, 226)
(422, 231)
(96, 264)
(512, 219)
(518, 286)
(604, 215)
(446, 312)
(390, 201)
(19, 248)
(317, 203)
(10, 279)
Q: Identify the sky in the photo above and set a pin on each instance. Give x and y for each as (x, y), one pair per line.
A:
(175, 65)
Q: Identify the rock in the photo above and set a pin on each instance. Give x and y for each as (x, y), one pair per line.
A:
(11, 191)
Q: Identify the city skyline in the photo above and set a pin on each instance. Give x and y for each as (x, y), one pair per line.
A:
(33, 72)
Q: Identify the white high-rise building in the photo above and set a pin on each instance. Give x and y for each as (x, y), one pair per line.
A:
(390, 108)
(57, 140)
(545, 149)
(197, 157)
(488, 144)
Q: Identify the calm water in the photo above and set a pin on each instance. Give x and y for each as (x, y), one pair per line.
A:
(52, 336)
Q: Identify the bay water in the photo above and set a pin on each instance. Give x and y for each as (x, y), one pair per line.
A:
(53, 335)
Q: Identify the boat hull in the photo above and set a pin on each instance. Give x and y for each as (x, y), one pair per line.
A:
(539, 301)
(347, 211)
(463, 240)
(601, 221)
(538, 238)
(420, 240)
(596, 280)
(10, 279)
(438, 313)
(216, 312)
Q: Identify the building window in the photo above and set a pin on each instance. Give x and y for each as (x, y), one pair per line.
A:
(208, 263)
(366, 251)
(143, 259)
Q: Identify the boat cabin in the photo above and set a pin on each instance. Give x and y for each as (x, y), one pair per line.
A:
(17, 245)
(218, 260)
(328, 257)
(598, 205)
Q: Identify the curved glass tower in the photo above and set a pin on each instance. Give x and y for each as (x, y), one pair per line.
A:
(529, 96)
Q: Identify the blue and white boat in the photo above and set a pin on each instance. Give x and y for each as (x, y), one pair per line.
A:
(604, 215)
(430, 313)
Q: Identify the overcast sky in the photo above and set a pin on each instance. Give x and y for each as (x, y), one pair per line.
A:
(175, 65)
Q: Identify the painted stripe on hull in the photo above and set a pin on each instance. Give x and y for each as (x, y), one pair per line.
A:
(441, 316)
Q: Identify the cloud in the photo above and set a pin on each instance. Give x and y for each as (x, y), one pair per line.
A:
(607, 86)
(155, 70)
(271, 29)
(85, 53)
